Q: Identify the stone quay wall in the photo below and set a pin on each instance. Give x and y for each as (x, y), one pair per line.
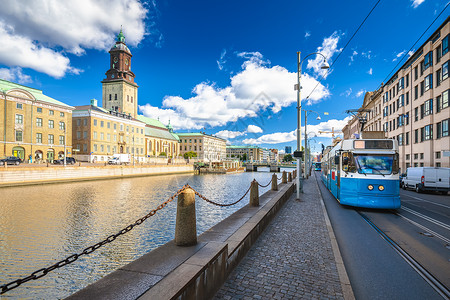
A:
(193, 272)
(41, 175)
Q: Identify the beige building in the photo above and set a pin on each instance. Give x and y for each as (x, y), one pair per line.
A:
(252, 153)
(159, 139)
(208, 148)
(413, 106)
(99, 133)
(33, 124)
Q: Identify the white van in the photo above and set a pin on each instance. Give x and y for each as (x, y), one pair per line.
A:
(427, 179)
(119, 159)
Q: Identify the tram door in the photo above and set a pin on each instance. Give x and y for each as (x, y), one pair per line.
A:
(338, 176)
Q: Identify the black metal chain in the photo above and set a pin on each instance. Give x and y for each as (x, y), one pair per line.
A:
(70, 259)
(266, 184)
(220, 204)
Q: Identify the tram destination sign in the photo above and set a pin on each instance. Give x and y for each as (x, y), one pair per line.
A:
(373, 144)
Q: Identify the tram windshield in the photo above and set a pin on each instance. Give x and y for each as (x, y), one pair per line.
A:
(376, 164)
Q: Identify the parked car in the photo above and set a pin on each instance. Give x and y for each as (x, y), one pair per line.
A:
(69, 161)
(11, 160)
(119, 159)
(427, 179)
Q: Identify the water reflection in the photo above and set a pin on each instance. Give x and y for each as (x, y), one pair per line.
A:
(40, 225)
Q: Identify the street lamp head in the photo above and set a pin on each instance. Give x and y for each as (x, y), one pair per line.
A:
(325, 65)
(318, 118)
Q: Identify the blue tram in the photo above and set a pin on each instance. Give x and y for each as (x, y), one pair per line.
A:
(363, 173)
(317, 166)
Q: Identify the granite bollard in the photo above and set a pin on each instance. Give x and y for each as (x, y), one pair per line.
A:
(185, 227)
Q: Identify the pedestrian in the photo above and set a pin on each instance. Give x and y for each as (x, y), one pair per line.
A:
(30, 158)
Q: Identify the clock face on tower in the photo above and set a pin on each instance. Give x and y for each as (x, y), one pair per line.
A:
(126, 61)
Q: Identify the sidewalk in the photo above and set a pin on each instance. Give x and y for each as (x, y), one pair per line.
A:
(295, 258)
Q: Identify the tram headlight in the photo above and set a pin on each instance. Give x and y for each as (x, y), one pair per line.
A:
(381, 188)
(370, 187)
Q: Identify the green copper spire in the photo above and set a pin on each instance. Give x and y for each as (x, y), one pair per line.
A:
(120, 36)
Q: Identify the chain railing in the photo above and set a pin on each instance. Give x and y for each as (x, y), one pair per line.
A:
(72, 258)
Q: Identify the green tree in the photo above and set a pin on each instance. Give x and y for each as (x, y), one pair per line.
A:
(288, 158)
(190, 154)
(244, 157)
(162, 154)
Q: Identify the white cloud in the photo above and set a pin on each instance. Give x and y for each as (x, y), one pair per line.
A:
(416, 3)
(328, 49)
(307, 34)
(352, 57)
(38, 34)
(347, 93)
(370, 72)
(258, 87)
(360, 93)
(254, 129)
(285, 137)
(367, 54)
(15, 75)
(398, 55)
(227, 134)
(221, 62)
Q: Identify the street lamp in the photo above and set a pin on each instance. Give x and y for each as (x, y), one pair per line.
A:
(324, 66)
(64, 157)
(308, 154)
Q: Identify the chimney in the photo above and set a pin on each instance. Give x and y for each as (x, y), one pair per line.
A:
(94, 102)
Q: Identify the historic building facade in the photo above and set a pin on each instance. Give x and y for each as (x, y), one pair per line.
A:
(208, 148)
(159, 139)
(33, 125)
(252, 153)
(413, 106)
(99, 134)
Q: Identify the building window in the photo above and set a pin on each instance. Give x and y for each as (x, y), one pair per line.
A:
(128, 98)
(51, 112)
(78, 122)
(78, 134)
(19, 106)
(61, 140)
(102, 148)
(85, 148)
(438, 165)
(115, 96)
(426, 108)
(416, 156)
(108, 148)
(445, 70)
(407, 138)
(38, 138)
(416, 114)
(51, 124)
(51, 139)
(445, 45)
(442, 129)
(426, 133)
(95, 122)
(416, 92)
(95, 135)
(102, 123)
(39, 109)
(421, 155)
(110, 97)
(115, 126)
(85, 122)
(407, 80)
(38, 122)
(421, 164)
(61, 126)
(438, 77)
(19, 136)
(95, 147)
(85, 134)
(108, 125)
(19, 119)
(121, 127)
(442, 101)
(438, 53)
(428, 60)
(61, 114)
(438, 154)
(416, 165)
(416, 136)
(428, 83)
(102, 136)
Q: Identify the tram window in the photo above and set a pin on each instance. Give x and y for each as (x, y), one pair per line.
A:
(376, 164)
(348, 162)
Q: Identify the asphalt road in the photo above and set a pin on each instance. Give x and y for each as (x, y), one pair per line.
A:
(375, 269)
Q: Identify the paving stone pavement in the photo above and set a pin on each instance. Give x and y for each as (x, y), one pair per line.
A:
(292, 259)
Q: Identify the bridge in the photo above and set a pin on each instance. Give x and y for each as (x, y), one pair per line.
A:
(274, 167)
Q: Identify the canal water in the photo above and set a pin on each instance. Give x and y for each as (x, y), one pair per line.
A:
(43, 224)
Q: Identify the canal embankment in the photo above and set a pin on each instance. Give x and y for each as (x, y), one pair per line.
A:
(193, 272)
(16, 176)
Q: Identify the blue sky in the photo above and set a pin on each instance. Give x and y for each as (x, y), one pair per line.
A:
(224, 67)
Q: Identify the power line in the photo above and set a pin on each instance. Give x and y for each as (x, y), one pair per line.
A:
(348, 42)
(406, 53)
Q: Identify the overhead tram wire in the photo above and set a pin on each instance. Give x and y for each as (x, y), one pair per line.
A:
(348, 42)
(406, 53)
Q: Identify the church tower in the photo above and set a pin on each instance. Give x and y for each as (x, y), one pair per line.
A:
(119, 88)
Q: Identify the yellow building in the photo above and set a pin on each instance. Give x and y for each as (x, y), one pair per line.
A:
(99, 133)
(159, 139)
(33, 125)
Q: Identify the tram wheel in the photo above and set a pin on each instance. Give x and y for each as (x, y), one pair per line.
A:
(418, 189)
